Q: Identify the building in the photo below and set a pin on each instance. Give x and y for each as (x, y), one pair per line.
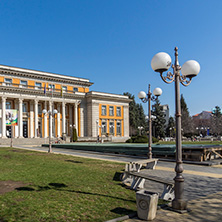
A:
(28, 92)
(202, 122)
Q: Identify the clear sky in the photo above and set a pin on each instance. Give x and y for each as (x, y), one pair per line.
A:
(112, 42)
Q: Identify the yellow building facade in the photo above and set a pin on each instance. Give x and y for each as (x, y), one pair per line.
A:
(67, 102)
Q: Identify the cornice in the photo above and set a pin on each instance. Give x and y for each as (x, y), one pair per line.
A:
(46, 76)
(108, 97)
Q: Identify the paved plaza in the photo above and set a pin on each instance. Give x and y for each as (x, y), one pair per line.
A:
(203, 186)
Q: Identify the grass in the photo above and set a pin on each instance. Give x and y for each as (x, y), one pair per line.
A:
(61, 188)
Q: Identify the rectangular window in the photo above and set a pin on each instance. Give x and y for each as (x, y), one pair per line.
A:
(64, 88)
(103, 126)
(25, 107)
(51, 87)
(8, 82)
(118, 111)
(23, 83)
(75, 89)
(38, 85)
(103, 110)
(39, 109)
(111, 127)
(111, 111)
(118, 128)
(8, 105)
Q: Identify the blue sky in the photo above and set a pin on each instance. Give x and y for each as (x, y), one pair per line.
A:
(112, 43)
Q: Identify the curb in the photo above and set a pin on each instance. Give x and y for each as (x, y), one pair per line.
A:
(123, 217)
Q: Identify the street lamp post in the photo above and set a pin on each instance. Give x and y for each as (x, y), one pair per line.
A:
(161, 62)
(50, 113)
(147, 98)
(97, 130)
(140, 128)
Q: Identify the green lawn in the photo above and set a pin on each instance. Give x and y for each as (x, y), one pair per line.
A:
(61, 188)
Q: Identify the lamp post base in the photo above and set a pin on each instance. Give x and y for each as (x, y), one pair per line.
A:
(179, 206)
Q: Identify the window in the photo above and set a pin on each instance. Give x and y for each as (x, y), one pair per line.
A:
(8, 82)
(75, 89)
(51, 87)
(118, 111)
(118, 128)
(25, 107)
(103, 110)
(111, 127)
(103, 126)
(38, 85)
(39, 109)
(111, 111)
(8, 105)
(23, 83)
(64, 88)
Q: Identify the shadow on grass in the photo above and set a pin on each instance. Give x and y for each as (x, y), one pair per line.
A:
(73, 161)
(60, 186)
(118, 176)
(121, 211)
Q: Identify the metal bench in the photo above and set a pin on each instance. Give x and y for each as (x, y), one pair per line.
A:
(136, 181)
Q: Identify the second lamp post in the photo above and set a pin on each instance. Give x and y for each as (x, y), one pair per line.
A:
(44, 111)
(147, 98)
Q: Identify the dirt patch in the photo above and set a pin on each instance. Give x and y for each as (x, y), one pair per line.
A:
(9, 185)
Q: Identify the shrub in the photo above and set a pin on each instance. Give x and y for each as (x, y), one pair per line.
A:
(141, 139)
(74, 135)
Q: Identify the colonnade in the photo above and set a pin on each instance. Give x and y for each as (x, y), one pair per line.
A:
(49, 105)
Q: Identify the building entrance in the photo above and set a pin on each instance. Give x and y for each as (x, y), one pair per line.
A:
(25, 129)
(9, 131)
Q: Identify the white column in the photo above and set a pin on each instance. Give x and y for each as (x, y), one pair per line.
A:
(50, 118)
(45, 122)
(36, 118)
(76, 117)
(3, 118)
(63, 118)
(70, 118)
(58, 120)
(20, 119)
(31, 119)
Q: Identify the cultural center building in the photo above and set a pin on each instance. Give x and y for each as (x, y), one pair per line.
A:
(69, 103)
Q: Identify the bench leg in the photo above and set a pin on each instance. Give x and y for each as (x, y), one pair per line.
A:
(151, 165)
(138, 167)
(138, 182)
(129, 167)
(127, 179)
(168, 193)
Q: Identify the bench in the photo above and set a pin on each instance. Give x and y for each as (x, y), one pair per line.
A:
(136, 181)
(135, 166)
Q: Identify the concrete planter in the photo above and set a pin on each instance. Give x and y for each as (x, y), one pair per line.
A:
(146, 202)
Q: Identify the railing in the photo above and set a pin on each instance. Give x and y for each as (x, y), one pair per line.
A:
(40, 88)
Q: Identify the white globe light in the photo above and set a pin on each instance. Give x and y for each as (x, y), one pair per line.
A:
(55, 111)
(157, 91)
(44, 111)
(190, 68)
(142, 95)
(161, 62)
